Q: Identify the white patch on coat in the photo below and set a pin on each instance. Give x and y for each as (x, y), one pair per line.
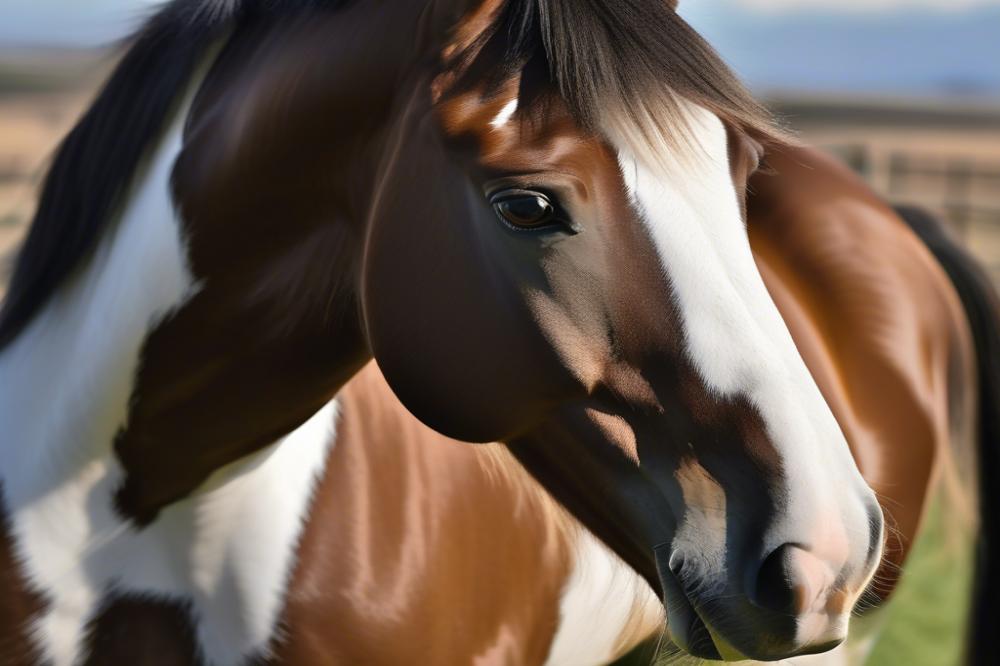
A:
(605, 610)
(505, 114)
(737, 339)
(65, 384)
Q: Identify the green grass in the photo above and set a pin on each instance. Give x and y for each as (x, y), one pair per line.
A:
(926, 617)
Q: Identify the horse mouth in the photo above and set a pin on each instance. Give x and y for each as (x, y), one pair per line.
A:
(686, 627)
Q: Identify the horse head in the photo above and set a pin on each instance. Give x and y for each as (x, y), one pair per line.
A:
(556, 257)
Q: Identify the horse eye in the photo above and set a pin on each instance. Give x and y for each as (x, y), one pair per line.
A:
(525, 210)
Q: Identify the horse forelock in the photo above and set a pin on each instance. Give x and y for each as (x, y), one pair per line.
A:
(631, 64)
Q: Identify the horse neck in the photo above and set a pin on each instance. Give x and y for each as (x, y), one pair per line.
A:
(193, 335)
(66, 378)
(143, 371)
(65, 383)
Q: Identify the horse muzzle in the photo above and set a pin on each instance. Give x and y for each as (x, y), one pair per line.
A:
(790, 603)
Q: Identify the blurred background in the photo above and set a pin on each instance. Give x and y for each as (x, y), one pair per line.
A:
(905, 91)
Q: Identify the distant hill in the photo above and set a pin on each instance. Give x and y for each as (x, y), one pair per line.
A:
(900, 52)
(44, 70)
(921, 52)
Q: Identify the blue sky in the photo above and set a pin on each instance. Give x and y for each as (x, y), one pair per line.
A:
(894, 47)
(68, 21)
(889, 46)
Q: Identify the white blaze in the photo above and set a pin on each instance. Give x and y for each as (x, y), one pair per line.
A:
(735, 336)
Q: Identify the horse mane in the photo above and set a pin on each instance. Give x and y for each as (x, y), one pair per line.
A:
(623, 64)
(94, 165)
(624, 60)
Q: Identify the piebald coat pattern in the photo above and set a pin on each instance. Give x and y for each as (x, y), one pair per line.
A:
(235, 431)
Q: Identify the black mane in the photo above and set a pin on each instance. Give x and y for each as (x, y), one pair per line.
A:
(95, 163)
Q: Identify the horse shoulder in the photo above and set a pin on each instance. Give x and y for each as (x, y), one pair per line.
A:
(419, 549)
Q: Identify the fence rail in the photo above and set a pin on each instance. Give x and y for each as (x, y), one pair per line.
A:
(963, 190)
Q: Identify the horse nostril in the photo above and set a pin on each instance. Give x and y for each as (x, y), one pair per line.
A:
(774, 589)
(788, 580)
(676, 563)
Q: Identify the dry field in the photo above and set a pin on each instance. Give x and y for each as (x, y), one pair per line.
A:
(40, 96)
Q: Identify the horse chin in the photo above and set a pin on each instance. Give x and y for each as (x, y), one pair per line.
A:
(689, 630)
(697, 641)
(686, 628)
(692, 634)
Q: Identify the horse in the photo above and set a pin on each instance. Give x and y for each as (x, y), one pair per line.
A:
(408, 573)
(703, 386)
